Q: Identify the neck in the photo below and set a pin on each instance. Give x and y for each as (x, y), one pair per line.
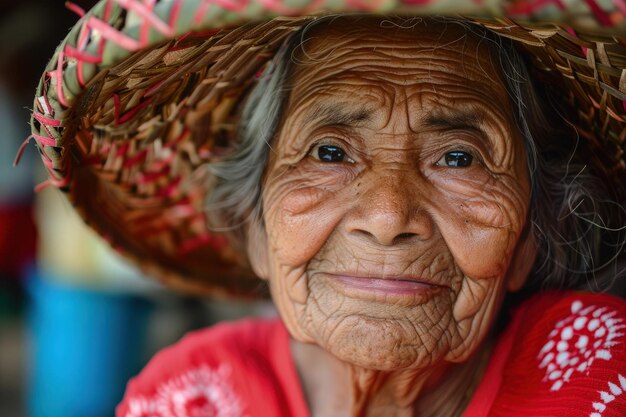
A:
(337, 389)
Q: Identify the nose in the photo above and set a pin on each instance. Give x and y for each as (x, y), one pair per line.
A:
(391, 209)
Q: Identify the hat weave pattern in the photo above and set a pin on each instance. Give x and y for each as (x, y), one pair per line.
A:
(141, 95)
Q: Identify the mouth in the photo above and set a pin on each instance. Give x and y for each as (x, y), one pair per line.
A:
(396, 288)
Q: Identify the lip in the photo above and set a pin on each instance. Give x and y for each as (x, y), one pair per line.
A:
(400, 289)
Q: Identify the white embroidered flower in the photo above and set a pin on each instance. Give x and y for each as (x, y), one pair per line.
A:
(142, 407)
(199, 392)
(586, 335)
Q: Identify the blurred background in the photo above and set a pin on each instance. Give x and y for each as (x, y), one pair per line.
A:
(76, 322)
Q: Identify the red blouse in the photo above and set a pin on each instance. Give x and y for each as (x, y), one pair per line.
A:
(562, 354)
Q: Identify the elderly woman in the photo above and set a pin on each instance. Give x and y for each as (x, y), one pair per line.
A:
(408, 187)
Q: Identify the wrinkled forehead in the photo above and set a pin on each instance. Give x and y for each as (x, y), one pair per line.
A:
(418, 46)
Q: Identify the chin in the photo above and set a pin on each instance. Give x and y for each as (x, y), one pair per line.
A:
(381, 344)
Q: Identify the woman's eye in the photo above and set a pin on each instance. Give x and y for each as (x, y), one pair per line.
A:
(329, 153)
(456, 159)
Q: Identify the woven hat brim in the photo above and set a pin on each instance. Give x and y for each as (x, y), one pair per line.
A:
(138, 100)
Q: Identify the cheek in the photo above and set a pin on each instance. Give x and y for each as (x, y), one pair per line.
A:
(300, 214)
(301, 211)
(480, 222)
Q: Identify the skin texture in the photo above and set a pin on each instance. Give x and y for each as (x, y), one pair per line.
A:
(448, 240)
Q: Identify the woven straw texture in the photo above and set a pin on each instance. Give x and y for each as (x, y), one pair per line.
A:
(142, 94)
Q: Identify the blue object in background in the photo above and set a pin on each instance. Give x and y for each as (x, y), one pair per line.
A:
(86, 344)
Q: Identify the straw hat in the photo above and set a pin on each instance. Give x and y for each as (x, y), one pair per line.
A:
(142, 94)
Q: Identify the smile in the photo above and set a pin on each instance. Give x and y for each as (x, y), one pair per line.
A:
(389, 289)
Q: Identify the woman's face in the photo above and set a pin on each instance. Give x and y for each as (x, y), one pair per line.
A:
(395, 195)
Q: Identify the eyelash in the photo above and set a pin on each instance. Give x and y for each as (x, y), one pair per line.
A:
(330, 142)
(473, 152)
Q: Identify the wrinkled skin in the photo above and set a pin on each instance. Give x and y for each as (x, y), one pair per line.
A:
(395, 107)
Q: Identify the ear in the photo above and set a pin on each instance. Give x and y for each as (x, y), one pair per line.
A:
(523, 261)
(256, 247)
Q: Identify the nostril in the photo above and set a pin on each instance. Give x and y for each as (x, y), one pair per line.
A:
(404, 236)
(398, 239)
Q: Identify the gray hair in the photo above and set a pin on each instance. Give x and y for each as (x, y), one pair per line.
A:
(575, 216)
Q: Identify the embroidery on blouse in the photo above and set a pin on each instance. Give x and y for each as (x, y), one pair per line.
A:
(586, 335)
(142, 407)
(199, 392)
(615, 389)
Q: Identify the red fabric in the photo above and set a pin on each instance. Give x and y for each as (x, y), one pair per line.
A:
(563, 354)
(230, 370)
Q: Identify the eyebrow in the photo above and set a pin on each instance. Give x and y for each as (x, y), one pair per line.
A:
(336, 115)
(457, 121)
